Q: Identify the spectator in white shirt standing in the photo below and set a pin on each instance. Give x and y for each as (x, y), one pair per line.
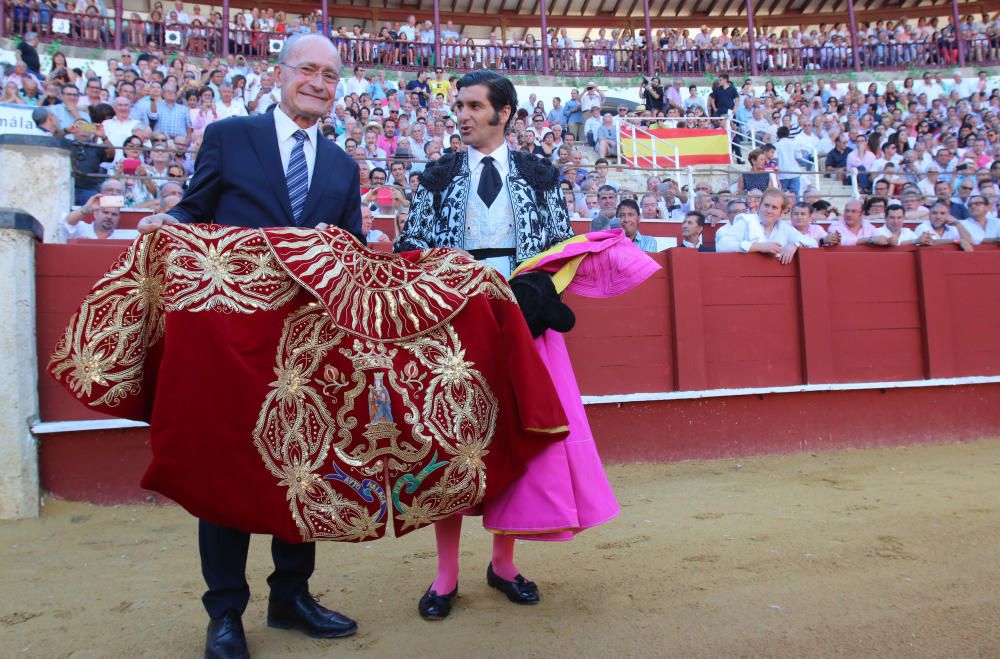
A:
(764, 232)
(980, 226)
(592, 98)
(119, 127)
(357, 84)
(787, 151)
(894, 233)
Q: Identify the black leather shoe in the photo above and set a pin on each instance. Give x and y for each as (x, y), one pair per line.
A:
(306, 615)
(226, 639)
(436, 607)
(518, 591)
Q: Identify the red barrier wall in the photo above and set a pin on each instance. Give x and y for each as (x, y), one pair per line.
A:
(704, 322)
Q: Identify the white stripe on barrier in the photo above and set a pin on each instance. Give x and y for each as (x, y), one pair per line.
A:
(50, 427)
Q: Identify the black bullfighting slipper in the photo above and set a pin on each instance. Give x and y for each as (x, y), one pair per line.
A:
(305, 614)
(226, 639)
(518, 591)
(436, 607)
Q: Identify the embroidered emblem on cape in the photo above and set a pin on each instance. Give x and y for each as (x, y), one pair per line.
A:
(433, 471)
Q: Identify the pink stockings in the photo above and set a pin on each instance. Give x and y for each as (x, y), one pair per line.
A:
(448, 533)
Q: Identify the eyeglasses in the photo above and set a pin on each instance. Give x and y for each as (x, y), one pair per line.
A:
(329, 76)
(159, 140)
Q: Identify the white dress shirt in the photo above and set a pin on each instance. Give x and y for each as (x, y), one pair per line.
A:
(491, 227)
(977, 233)
(236, 108)
(906, 236)
(286, 129)
(950, 232)
(747, 229)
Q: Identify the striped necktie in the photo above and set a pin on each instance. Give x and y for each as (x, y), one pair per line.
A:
(297, 177)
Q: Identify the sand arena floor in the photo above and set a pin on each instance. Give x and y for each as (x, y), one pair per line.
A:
(878, 553)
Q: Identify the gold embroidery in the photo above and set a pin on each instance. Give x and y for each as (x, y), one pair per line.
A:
(411, 368)
(212, 267)
(104, 345)
(446, 403)
(380, 296)
(183, 267)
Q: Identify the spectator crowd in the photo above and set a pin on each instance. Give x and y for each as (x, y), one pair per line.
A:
(923, 145)
(902, 43)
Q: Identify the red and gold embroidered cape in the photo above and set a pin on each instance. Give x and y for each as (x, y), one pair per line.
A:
(301, 385)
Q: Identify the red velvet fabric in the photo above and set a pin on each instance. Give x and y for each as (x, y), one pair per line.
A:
(274, 410)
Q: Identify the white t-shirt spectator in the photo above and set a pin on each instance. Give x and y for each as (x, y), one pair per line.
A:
(746, 229)
(950, 232)
(905, 235)
(694, 102)
(118, 131)
(977, 232)
(355, 86)
(588, 101)
(86, 230)
(234, 109)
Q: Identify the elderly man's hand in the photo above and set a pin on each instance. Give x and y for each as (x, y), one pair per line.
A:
(152, 223)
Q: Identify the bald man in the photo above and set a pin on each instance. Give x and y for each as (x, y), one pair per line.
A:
(271, 170)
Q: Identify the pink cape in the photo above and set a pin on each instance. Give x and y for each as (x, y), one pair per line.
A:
(564, 489)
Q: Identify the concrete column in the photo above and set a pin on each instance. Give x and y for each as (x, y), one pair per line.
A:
(19, 232)
(26, 160)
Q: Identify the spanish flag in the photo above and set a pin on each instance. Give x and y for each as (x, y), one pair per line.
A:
(696, 146)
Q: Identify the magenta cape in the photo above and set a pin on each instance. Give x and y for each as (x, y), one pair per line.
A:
(564, 489)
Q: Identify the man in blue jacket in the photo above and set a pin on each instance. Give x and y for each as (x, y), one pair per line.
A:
(271, 170)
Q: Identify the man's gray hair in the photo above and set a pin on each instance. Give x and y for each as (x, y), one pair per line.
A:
(108, 183)
(39, 115)
(30, 36)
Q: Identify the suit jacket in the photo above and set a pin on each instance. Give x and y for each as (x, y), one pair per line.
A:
(438, 209)
(238, 181)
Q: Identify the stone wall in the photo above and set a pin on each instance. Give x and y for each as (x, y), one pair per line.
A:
(37, 177)
(18, 363)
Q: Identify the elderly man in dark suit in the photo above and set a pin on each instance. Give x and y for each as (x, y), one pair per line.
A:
(271, 170)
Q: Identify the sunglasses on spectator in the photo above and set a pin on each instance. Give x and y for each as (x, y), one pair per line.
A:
(159, 140)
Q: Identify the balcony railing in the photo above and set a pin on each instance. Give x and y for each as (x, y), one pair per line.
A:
(92, 30)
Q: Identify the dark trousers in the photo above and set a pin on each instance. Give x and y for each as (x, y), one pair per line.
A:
(224, 565)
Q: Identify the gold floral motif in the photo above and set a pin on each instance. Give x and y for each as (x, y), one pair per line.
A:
(211, 267)
(101, 353)
(379, 296)
(295, 432)
(455, 416)
(179, 268)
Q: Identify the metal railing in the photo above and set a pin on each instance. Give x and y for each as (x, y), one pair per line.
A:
(632, 129)
(206, 35)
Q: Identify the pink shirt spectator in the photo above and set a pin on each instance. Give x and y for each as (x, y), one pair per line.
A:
(848, 237)
(387, 144)
(815, 231)
(866, 160)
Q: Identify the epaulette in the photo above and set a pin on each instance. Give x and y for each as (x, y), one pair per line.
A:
(440, 173)
(539, 173)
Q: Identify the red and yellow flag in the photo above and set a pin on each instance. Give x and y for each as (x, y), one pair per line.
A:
(696, 146)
